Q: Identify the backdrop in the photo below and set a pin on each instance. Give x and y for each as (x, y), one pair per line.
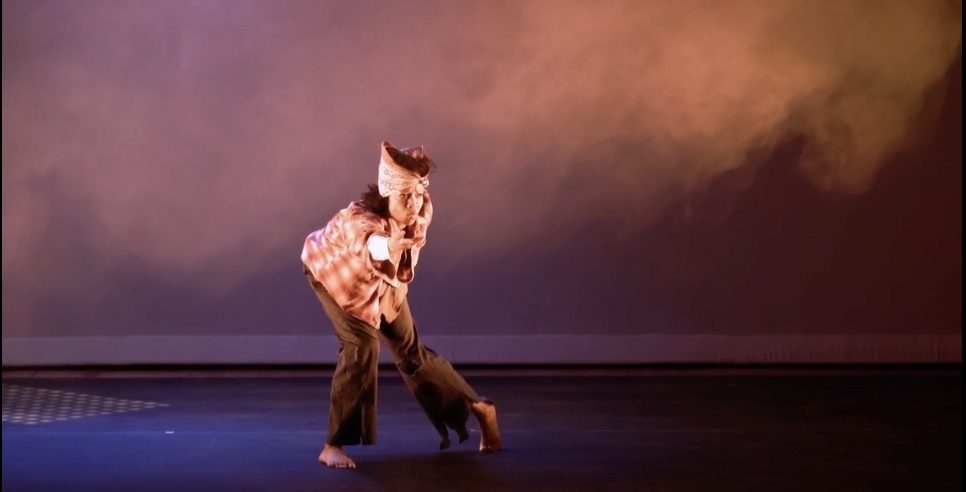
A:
(625, 182)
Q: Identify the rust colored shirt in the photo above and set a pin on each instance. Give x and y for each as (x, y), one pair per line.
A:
(339, 258)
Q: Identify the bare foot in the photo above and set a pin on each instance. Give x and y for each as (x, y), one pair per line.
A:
(485, 412)
(335, 457)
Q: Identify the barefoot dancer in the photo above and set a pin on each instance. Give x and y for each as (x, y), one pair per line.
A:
(360, 266)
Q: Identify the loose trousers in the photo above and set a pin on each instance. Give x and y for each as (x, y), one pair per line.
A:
(442, 393)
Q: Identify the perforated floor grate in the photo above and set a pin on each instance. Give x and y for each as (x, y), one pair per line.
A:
(30, 406)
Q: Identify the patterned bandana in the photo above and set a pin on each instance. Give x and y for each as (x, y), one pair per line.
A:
(394, 178)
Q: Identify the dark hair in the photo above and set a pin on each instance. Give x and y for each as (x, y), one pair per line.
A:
(374, 202)
(378, 204)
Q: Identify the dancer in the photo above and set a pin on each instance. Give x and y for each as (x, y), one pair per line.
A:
(360, 266)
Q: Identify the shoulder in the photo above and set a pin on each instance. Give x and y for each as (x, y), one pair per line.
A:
(357, 220)
(357, 212)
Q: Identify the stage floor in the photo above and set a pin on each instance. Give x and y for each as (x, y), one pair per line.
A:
(838, 430)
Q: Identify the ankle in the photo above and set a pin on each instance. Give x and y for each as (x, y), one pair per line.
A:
(482, 406)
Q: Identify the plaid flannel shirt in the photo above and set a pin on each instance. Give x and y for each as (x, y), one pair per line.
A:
(338, 257)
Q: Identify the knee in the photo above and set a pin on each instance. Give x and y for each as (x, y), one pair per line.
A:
(365, 353)
(408, 366)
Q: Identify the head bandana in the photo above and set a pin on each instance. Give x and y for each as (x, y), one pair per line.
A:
(394, 178)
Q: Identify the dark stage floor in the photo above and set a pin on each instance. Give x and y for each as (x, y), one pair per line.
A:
(771, 431)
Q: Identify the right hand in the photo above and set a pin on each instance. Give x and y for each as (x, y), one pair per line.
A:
(398, 242)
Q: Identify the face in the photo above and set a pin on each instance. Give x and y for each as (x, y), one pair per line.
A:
(405, 205)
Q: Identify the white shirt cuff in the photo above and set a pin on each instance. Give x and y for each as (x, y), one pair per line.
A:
(378, 247)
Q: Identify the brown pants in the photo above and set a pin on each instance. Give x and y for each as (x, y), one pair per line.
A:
(443, 394)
